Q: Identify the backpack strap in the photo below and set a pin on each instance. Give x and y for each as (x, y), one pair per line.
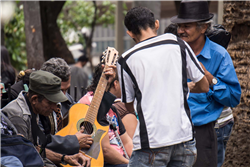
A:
(36, 131)
(9, 124)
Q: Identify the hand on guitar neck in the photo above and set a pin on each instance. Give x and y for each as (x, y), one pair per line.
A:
(110, 72)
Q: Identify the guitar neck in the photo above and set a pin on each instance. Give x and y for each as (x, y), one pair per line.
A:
(96, 101)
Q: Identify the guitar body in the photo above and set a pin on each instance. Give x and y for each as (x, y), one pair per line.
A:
(83, 115)
(77, 114)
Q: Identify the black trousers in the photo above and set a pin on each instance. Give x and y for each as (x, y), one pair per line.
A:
(206, 144)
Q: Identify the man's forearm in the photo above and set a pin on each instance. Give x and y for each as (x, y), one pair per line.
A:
(53, 156)
(111, 155)
(200, 87)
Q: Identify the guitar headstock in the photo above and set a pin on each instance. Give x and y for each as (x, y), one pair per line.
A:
(110, 56)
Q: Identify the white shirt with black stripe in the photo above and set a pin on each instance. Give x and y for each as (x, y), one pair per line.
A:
(155, 73)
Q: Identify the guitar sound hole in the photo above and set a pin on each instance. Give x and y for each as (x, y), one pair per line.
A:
(88, 127)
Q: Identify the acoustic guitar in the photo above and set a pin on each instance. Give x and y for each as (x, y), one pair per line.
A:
(83, 115)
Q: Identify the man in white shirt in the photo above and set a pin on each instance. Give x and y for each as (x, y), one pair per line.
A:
(154, 73)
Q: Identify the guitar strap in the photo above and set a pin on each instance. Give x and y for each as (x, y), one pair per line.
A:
(52, 124)
(106, 103)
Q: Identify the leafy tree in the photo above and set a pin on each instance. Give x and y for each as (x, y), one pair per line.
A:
(74, 16)
(14, 39)
(78, 14)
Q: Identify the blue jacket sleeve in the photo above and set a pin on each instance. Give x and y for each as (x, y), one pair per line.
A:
(227, 91)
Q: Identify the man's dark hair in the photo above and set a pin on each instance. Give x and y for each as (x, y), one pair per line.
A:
(24, 76)
(139, 18)
(31, 93)
(172, 28)
(83, 58)
(96, 78)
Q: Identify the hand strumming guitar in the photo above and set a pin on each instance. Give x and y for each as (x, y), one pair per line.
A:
(77, 160)
(84, 140)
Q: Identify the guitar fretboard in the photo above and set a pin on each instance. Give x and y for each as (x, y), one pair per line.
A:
(96, 101)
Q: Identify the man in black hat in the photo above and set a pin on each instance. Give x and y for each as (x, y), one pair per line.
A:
(40, 101)
(193, 21)
(163, 136)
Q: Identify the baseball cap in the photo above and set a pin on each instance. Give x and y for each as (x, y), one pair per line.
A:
(48, 85)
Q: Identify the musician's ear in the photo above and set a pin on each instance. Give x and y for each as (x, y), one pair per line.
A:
(130, 34)
(34, 99)
(117, 85)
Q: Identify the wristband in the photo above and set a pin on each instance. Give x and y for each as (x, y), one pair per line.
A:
(62, 160)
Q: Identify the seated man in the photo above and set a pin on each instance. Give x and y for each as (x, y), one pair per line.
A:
(40, 101)
(114, 154)
(61, 69)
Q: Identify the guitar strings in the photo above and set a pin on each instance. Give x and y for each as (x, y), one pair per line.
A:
(88, 127)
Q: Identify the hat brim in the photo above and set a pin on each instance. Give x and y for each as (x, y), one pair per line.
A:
(177, 20)
(56, 97)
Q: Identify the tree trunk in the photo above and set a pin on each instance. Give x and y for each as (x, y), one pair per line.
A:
(88, 40)
(119, 27)
(54, 44)
(1, 34)
(33, 31)
(237, 21)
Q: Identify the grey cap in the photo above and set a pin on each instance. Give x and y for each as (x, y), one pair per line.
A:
(48, 85)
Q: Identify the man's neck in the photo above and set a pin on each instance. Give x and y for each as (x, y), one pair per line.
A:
(78, 64)
(198, 45)
(145, 34)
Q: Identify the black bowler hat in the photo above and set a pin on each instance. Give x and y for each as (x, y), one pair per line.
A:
(192, 11)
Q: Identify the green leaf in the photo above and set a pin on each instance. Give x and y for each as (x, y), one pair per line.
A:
(14, 39)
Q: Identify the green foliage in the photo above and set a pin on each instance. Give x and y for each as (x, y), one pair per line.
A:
(78, 14)
(125, 9)
(74, 16)
(14, 39)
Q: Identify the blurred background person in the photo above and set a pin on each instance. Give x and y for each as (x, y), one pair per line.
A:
(172, 28)
(22, 83)
(79, 77)
(8, 72)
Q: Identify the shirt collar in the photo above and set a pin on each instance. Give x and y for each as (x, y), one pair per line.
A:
(206, 50)
(147, 39)
(28, 102)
